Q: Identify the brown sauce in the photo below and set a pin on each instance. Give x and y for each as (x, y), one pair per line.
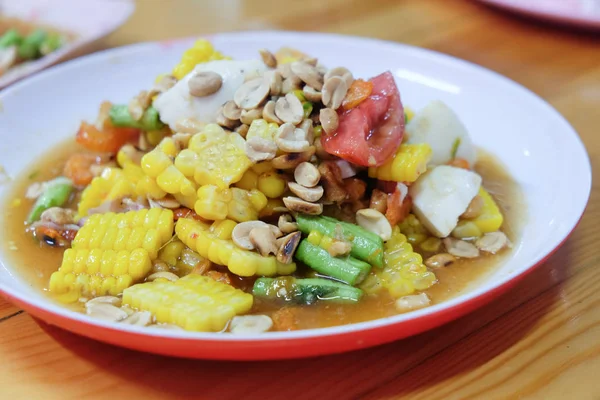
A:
(35, 262)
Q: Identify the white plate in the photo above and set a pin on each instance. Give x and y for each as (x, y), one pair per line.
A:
(89, 20)
(536, 144)
(581, 13)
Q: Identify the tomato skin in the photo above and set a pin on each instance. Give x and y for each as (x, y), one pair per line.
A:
(108, 140)
(387, 186)
(397, 210)
(77, 168)
(358, 92)
(371, 132)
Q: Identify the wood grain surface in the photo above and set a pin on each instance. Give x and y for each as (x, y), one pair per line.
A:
(541, 340)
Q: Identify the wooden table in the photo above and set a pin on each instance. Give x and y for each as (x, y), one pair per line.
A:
(540, 340)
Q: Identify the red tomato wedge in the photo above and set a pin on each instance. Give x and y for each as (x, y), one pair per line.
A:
(108, 140)
(371, 132)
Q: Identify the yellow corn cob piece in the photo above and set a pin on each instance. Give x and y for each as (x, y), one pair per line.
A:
(186, 161)
(223, 229)
(147, 186)
(194, 302)
(148, 229)
(116, 183)
(409, 162)
(112, 184)
(202, 51)
(212, 202)
(111, 252)
(490, 219)
(262, 129)
(187, 201)
(158, 164)
(99, 272)
(221, 157)
(207, 243)
(235, 203)
(403, 273)
(272, 184)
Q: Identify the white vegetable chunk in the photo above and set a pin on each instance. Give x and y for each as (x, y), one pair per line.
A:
(441, 195)
(439, 127)
(177, 103)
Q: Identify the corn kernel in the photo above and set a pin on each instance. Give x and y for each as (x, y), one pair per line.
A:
(262, 129)
(272, 184)
(171, 251)
(406, 165)
(249, 180)
(318, 131)
(416, 238)
(466, 230)
(223, 229)
(155, 162)
(212, 203)
(431, 244)
(269, 209)
(490, 219)
(168, 146)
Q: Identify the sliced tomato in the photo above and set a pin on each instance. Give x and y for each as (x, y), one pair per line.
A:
(78, 168)
(108, 140)
(371, 132)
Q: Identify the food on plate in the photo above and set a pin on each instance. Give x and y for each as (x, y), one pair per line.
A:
(22, 42)
(269, 194)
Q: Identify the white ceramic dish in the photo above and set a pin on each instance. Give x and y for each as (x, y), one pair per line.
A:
(579, 13)
(536, 144)
(89, 20)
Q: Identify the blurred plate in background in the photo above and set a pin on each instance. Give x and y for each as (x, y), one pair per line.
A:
(580, 13)
(86, 21)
